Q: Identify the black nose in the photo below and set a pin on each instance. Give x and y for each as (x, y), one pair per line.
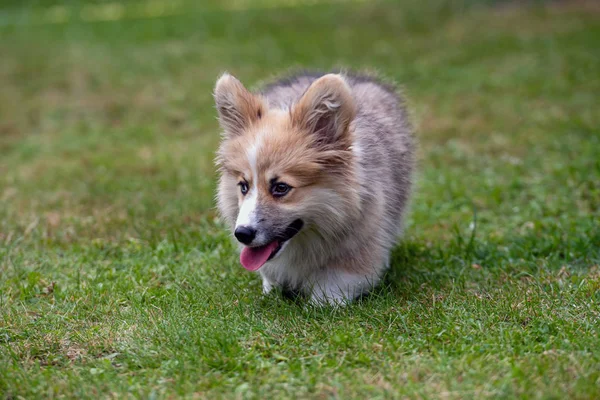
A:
(245, 234)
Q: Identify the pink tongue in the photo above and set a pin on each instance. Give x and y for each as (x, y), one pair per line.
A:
(252, 258)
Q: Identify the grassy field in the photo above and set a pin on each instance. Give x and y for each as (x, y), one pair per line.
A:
(116, 278)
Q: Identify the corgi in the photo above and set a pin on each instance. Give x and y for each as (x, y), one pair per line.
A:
(315, 176)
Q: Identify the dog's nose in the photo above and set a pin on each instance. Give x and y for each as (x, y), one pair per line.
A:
(245, 234)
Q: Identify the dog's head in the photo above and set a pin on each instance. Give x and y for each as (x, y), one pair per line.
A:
(285, 172)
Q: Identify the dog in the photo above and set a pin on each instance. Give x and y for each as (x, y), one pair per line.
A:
(315, 177)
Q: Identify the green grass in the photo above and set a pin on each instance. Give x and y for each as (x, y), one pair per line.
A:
(117, 280)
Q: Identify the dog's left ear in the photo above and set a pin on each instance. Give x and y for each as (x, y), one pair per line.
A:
(326, 109)
(237, 107)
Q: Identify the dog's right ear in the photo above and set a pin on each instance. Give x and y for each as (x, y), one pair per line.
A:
(237, 107)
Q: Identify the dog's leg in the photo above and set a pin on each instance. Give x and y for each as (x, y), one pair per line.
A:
(339, 287)
(267, 286)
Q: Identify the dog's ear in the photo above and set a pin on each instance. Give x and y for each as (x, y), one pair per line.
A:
(237, 107)
(326, 109)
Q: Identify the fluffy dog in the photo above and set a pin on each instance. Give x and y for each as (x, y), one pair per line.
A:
(315, 176)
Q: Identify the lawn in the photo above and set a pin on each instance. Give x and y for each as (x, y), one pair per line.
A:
(117, 279)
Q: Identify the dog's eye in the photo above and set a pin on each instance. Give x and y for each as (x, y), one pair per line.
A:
(280, 189)
(243, 187)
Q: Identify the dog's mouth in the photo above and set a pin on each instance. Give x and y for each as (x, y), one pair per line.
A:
(252, 258)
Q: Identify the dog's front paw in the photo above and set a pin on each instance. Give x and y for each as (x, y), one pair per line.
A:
(267, 286)
(321, 299)
(340, 288)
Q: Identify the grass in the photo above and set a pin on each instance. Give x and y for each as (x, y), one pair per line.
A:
(116, 279)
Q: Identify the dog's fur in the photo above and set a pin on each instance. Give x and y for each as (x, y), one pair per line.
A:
(344, 144)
